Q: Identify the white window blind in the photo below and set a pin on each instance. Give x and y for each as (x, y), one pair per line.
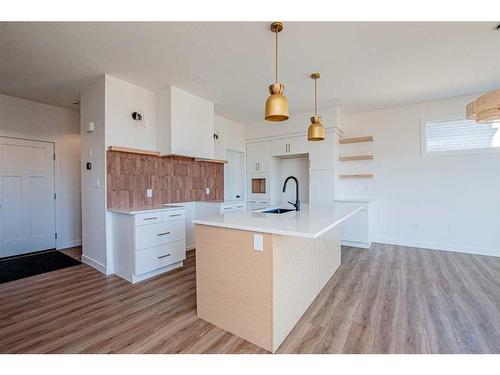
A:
(459, 135)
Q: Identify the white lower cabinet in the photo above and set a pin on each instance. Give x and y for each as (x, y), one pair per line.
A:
(231, 207)
(257, 204)
(153, 258)
(190, 215)
(147, 244)
(355, 230)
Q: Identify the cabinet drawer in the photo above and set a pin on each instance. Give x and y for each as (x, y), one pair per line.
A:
(149, 218)
(174, 215)
(226, 208)
(159, 256)
(159, 234)
(240, 206)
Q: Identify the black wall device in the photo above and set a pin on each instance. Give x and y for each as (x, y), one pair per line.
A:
(89, 165)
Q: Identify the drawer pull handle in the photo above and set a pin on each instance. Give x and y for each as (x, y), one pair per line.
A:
(240, 206)
(150, 218)
(163, 256)
(227, 208)
(163, 234)
(174, 215)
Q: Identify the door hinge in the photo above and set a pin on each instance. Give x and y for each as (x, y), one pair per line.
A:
(55, 235)
(55, 196)
(54, 156)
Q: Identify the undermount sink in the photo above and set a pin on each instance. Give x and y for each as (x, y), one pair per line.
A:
(278, 210)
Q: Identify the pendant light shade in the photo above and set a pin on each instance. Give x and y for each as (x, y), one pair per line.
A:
(276, 105)
(485, 109)
(316, 131)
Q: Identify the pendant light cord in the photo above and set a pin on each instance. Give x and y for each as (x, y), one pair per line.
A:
(315, 98)
(276, 57)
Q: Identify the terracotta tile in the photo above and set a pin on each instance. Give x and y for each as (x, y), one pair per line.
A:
(173, 179)
(180, 170)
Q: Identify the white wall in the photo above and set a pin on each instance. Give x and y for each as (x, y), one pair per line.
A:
(296, 124)
(231, 136)
(298, 167)
(123, 98)
(25, 119)
(234, 176)
(92, 108)
(445, 202)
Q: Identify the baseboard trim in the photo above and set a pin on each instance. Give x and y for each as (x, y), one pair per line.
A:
(438, 246)
(68, 244)
(94, 264)
(362, 245)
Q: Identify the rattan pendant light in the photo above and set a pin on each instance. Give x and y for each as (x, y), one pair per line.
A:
(316, 131)
(485, 109)
(277, 104)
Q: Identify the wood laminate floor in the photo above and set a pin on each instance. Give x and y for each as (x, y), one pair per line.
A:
(389, 299)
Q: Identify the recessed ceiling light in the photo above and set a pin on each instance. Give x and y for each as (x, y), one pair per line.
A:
(75, 102)
(199, 79)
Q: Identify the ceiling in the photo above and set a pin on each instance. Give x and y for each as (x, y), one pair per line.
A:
(363, 66)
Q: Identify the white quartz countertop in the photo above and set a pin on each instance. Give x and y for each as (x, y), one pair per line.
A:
(166, 206)
(145, 209)
(310, 222)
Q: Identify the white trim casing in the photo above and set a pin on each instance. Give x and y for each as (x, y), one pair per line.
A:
(457, 117)
(95, 264)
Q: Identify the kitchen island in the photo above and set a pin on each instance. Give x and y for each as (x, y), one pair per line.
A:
(257, 273)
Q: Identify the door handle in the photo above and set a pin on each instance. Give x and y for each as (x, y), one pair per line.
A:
(163, 234)
(163, 256)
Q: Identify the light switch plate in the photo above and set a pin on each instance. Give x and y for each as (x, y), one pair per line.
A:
(149, 193)
(258, 242)
(207, 191)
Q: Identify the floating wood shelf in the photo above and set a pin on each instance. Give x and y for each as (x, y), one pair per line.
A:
(356, 157)
(212, 160)
(366, 175)
(356, 140)
(133, 150)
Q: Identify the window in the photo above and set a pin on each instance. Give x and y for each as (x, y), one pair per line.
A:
(459, 136)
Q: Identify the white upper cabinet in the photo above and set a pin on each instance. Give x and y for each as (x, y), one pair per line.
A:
(322, 154)
(185, 124)
(258, 157)
(289, 146)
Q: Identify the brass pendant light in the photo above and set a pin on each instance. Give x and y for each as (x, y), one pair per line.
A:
(276, 104)
(485, 109)
(316, 131)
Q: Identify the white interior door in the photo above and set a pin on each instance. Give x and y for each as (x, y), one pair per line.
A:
(27, 213)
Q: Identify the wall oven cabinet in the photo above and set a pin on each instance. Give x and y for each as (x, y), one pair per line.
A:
(258, 186)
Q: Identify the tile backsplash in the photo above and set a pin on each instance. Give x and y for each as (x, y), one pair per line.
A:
(173, 179)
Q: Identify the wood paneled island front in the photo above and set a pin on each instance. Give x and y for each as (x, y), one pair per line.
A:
(257, 273)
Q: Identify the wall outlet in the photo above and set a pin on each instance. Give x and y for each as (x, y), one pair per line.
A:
(258, 242)
(207, 191)
(149, 193)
